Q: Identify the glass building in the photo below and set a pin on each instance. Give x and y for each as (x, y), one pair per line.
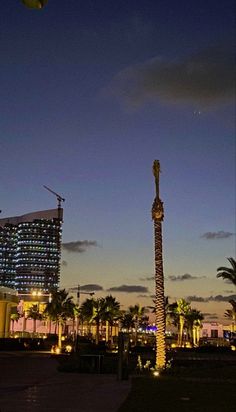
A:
(30, 251)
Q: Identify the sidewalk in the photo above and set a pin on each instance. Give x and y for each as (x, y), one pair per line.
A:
(34, 384)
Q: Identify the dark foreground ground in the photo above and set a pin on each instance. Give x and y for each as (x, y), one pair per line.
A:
(204, 384)
(31, 382)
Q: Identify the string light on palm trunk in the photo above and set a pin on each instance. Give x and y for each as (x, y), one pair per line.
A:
(158, 216)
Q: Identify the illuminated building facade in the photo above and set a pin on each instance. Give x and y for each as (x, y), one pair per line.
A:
(30, 251)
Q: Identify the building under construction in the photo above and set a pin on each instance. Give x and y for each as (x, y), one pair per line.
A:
(30, 251)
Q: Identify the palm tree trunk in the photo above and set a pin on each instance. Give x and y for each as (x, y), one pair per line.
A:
(160, 300)
(197, 335)
(97, 332)
(194, 332)
(181, 328)
(107, 331)
(34, 325)
(59, 334)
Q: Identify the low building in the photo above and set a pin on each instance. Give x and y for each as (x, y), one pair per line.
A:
(8, 300)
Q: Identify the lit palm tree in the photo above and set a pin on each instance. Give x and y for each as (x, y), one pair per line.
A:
(194, 320)
(59, 309)
(158, 216)
(228, 273)
(182, 310)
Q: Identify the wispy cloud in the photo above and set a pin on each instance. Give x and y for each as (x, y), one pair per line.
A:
(87, 288)
(221, 234)
(129, 289)
(205, 78)
(143, 296)
(91, 287)
(78, 246)
(147, 278)
(221, 298)
(181, 278)
(195, 298)
(217, 298)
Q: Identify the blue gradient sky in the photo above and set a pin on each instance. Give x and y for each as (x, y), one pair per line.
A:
(78, 114)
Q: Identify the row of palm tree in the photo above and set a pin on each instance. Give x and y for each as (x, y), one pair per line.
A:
(183, 316)
(92, 312)
(107, 311)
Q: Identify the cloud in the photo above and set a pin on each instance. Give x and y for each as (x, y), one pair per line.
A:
(147, 278)
(205, 78)
(129, 289)
(220, 298)
(91, 287)
(195, 298)
(79, 246)
(217, 235)
(186, 276)
(143, 296)
(64, 263)
(217, 298)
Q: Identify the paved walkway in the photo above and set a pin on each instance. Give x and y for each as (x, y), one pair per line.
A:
(33, 384)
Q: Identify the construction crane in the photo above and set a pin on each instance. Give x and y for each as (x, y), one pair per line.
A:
(79, 292)
(59, 198)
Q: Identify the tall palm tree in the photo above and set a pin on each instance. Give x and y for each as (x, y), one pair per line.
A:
(59, 309)
(228, 273)
(158, 216)
(137, 313)
(35, 314)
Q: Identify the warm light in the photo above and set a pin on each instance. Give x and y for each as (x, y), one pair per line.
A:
(56, 350)
(68, 348)
(233, 347)
(156, 374)
(34, 293)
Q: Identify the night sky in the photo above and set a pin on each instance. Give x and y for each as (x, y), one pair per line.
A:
(91, 93)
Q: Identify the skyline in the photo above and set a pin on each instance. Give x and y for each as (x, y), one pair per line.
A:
(91, 95)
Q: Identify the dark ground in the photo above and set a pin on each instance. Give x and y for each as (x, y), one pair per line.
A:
(30, 382)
